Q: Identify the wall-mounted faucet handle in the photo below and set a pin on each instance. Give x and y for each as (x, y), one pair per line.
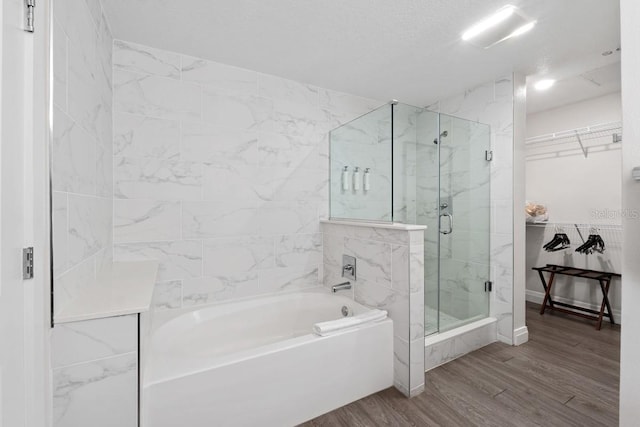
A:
(348, 267)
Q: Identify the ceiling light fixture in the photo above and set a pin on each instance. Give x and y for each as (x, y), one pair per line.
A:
(493, 20)
(524, 29)
(544, 84)
(504, 24)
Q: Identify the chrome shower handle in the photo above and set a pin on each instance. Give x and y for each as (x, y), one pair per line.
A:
(450, 223)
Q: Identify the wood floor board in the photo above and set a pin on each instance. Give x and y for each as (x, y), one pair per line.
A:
(566, 375)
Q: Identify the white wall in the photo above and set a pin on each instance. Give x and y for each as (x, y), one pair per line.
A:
(221, 174)
(630, 348)
(574, 188)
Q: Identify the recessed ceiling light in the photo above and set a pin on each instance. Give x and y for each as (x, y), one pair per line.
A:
(504, 24)
(544, 84)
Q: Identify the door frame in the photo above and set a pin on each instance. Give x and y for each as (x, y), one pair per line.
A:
(37, 306)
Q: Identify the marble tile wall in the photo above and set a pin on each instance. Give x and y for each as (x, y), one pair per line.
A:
(390, 276)
(492, 103)
(95, 373)
(82, 172)
(221, 174)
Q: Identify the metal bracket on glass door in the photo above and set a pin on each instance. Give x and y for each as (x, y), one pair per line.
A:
(29, 15)
(448, 215)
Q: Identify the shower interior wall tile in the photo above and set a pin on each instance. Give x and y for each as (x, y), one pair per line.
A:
(82, 172)
(492, 103)
(221, 174)
(389, 277)
(95, 373)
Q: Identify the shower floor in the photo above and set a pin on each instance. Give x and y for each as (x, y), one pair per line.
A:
(431, 320)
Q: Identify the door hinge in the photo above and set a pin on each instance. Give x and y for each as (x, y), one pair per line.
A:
(27, 263)
(488, 155)
(488, 285)
(30, 15)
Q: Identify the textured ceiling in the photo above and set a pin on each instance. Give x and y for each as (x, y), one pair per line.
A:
(404, 49)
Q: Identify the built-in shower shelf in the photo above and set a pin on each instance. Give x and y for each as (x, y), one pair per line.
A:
(126, 288)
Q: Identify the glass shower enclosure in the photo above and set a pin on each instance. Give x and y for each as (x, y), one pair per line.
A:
(406, 164)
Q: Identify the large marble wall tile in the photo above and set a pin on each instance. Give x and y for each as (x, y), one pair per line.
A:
(400, 268)
(219, 145)
(181, 259)
(104, 169)
(220, 77)
(140, 136)
(288, 278)
(207, 290)
(73, 156)
(157, 179)
(76, 21)
(143, 59)
(101, 393)
(236, 111)
(202, 220)
(283, 151)
(59, 43)
(345, 103)
(60, 232)
(229, 183)
(88, 105)
(384, 298)
(238, 255)
(278, 88)
(373, 260)
(288, 218)
(298, 250)
(167, 295)
(291, 184)
(70, 282)
(90, 226)
(77, 342)
(299, 120)
(146, 220)
(154, 96)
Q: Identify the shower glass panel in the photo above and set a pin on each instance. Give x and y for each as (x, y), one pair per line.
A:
(360, 147)
(429, 169)
(463, 222)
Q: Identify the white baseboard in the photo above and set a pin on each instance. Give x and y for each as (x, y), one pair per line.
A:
(538, 297)
(520, 335)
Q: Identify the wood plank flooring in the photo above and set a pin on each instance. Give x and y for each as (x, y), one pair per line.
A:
(566, 375)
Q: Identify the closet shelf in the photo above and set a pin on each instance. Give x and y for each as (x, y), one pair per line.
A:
(616, 227)
(580, 138)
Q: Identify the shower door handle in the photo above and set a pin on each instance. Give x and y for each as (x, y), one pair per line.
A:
(448, 215)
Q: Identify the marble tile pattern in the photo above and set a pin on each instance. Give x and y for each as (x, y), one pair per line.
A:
(82, 154)
(95, 372)
(390, 276)
(221, 174)
(492, 103)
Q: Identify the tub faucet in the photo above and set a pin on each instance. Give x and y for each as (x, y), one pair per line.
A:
(341, 287)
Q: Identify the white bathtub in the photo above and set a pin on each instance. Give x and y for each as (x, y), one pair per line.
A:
(256, 363)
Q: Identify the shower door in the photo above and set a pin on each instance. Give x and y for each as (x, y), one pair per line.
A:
(463, 207)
